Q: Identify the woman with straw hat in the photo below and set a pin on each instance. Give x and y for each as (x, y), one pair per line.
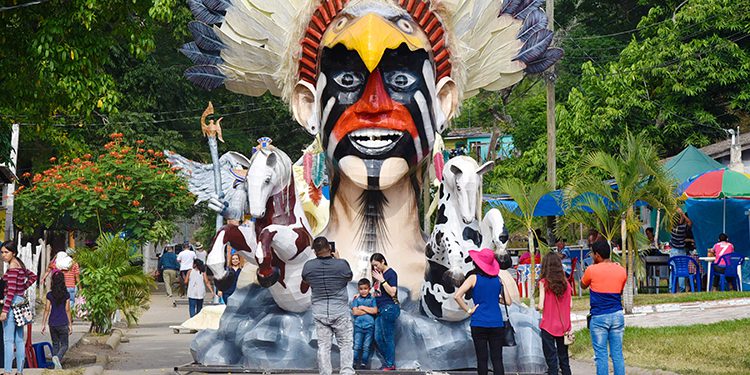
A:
(487, 326)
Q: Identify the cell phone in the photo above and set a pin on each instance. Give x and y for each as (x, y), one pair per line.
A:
(333, 246)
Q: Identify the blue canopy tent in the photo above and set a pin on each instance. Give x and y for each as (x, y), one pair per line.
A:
(707, 216)
(551, 204)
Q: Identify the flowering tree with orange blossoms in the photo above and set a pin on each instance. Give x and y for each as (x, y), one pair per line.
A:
(126, 189)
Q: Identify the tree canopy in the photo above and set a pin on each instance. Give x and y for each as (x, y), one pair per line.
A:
(683, 78)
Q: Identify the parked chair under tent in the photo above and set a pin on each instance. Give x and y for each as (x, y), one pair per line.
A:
(679, 267)
(733, 270)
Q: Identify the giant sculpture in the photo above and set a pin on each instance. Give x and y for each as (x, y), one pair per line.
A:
(376, 82)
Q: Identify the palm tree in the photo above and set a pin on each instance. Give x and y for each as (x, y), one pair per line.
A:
(588, 209)
(638, 176)
(527, 196)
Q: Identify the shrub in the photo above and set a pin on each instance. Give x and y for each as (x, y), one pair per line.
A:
(112, 283)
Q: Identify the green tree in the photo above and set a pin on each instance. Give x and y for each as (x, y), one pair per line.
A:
(129, 188)
(58, 58)
(638, 176)
(683, 78)
(527, 196)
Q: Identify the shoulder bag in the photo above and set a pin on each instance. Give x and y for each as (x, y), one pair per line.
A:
(22, 312)
(509, 335)
(569, 337)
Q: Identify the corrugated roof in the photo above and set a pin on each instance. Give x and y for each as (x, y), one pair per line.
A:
(721, 149)
(467, 132)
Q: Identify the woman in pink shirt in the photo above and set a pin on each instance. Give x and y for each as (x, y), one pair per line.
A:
(721, 248)
(555, 303)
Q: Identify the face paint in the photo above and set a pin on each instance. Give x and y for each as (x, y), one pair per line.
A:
(379, 115)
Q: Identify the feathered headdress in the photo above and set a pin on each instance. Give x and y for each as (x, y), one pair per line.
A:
(254, 46)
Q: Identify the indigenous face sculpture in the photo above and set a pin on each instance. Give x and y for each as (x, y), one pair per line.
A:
(376, 102)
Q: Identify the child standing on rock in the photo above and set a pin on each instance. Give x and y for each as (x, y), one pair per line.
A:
(364, 309)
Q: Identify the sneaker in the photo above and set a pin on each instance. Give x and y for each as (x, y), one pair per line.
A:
(56, 361)
(388, 368)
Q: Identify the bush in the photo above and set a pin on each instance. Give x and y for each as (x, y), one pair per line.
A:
(112, 283)
(127, 189)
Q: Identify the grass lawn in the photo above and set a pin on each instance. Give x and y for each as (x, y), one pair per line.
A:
(719, 348)
(581, 303)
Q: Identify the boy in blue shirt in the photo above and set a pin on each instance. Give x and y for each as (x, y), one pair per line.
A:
(364, 310)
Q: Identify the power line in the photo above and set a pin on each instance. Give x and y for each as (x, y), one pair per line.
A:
(24, 5)
(80, 125)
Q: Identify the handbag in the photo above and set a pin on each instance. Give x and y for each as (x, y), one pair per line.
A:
(569, 337)
(22, 312)
(509, 335)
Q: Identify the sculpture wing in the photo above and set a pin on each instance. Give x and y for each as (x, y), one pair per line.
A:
(200, 178)
(240, 43)
(498, 51)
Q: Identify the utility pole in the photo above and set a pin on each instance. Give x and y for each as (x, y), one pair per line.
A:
(550, 77)
(11, 187)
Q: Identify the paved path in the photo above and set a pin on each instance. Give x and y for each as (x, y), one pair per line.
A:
(153, 348)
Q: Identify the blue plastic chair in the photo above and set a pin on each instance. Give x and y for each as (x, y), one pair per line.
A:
(41, 356)
(734, 263)
(679, 266)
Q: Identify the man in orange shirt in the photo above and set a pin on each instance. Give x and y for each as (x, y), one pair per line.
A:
(606, 280)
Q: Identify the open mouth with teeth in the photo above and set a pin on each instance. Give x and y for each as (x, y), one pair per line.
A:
(373, 141)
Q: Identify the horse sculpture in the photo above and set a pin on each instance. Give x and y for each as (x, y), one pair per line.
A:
(457, 231)
(277, 237)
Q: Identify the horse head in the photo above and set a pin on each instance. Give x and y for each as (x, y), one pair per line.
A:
(269, 174)
(494, 234)
(462, 177)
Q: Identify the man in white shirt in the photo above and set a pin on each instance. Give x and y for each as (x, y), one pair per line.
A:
(185, 258)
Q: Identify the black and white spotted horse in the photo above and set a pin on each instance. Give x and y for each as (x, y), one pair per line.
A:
(457, 231)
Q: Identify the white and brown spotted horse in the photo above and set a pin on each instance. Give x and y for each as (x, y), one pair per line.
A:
(278, 237)
(457, 231)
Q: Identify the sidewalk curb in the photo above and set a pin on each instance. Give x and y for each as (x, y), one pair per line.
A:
(114, 339)
(580, 316)
(94, 370)
(628, 369)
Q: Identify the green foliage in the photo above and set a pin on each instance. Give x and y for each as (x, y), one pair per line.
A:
(162, 231)
(128, 188)
(682, 79)
(112, 283)
(58, 56)
(638, 176)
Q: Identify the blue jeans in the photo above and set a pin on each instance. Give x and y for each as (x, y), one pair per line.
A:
(13, 334)
(608, 329)
(195, 306)
(72, 292)
(385, 332)
(673, 253)
(363, 343)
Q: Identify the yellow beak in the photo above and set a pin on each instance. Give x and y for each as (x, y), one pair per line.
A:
(370, 36)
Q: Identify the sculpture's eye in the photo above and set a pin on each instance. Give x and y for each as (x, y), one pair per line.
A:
(348, 80)
(405, 26)
(340, 24)
(400, 81)
(267, 180)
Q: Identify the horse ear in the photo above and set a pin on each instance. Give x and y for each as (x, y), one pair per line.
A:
(271, 161)
(456, 170)
(486, 167)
